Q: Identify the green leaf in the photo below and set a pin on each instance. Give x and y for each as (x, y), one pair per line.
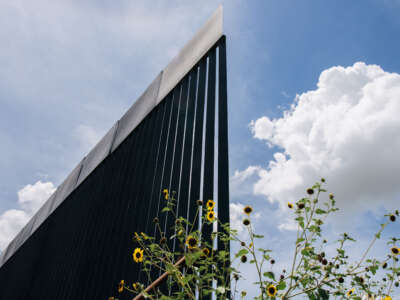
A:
(373, 269)
(258, 236)
(242, 252)
(266, 257)
(269, 275)
(319, 211)
(323, 294)
(281, 286)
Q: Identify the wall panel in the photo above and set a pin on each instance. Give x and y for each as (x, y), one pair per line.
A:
(79, 245)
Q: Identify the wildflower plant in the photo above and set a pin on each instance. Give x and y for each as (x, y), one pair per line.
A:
(196, 268)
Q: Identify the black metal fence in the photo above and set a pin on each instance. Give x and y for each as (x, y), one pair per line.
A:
(84, 247)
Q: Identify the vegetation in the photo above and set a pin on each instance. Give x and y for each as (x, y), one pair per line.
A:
(312, 274)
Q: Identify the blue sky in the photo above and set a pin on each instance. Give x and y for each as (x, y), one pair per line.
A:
(69, 70)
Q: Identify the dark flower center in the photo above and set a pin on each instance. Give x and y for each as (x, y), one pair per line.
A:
(138, 255)
(271, 290)
(395, 250)
(192, 242)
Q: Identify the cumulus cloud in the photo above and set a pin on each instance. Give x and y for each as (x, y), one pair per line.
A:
(241, 181)
(346, 130)
(30, 198)
(236, 216)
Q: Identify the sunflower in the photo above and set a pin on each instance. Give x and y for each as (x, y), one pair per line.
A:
(210, 215)
(388, 298)
(206, 252)
(121, 286)
(135, 286)
(395, 250)
(247, 210)
(290, 205)
(350, 292)
(138, 255)
(300, 205)
(191, 242)
(166, 193)
(246, 222)
(210, 204)
(271, 290)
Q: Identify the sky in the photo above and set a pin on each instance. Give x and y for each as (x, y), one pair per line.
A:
(313, 91)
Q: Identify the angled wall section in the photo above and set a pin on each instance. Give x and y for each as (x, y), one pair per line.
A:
(82, 234)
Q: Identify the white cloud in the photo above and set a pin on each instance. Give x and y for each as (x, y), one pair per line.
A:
(236, 216)
(241, 182)
(11, 222)
(30, 199)
(346, 130)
